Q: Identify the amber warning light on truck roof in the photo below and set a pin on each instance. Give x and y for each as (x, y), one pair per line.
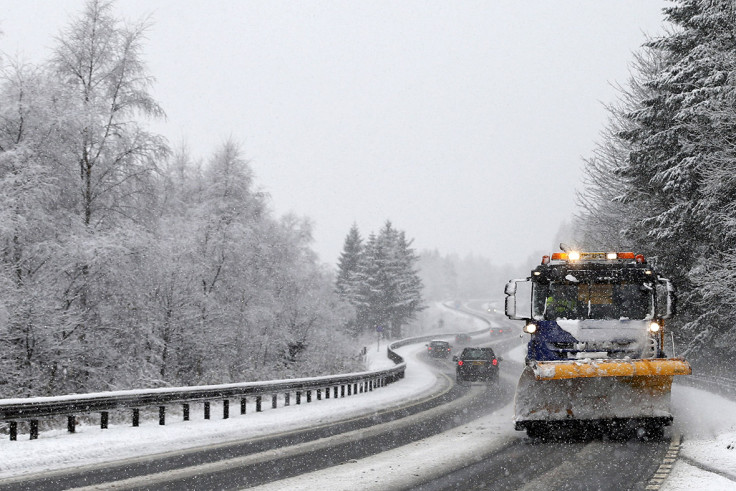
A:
(589, 256)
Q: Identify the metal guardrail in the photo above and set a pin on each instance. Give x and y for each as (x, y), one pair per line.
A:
(723, 386)
(31, 410)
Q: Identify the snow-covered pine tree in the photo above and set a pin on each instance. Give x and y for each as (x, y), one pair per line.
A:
(347, 264)
(678, 142)
(604, 216)
(666, 167)
(346, 283)
(389, 291)
(408, 293)
(710, 74)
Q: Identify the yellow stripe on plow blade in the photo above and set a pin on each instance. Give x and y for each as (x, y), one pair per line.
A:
(554, 370)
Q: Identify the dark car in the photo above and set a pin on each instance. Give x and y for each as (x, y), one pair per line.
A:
(476, 364)
(439, 349)
(462, 337)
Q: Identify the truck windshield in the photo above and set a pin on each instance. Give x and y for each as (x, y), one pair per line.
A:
(593, 301)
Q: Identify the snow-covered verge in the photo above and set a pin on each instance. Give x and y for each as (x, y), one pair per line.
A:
(708, 452)
(91, 445)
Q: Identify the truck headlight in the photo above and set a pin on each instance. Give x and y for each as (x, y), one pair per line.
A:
(654, 327)
(530, 327)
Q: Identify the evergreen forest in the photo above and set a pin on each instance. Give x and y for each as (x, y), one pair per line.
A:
(662, 180)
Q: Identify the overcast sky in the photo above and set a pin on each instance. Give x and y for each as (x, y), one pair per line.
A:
(463, 122)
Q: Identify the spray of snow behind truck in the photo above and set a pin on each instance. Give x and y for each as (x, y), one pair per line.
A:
(596, 357)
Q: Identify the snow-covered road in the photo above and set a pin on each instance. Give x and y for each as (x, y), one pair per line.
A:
(707, 422)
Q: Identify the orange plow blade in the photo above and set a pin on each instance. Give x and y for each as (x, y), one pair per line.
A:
(553, 370)
(590, 390)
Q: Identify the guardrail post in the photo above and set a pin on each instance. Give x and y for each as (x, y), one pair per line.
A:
(287, 399)
(185, 411)
(274, 401)
(350, 389)
(225, 409)
(370, 385)
(319, 394)
(103, 420)
(242, 405)
(342, 391)
(34, 429)
(136, 416)
(162, 415)
(298, 397)
(355, 388)
(71, 424)
(336, 389)
(309, 396)
(327, 392)
(258, 404)
(13, 430)
(207, 410)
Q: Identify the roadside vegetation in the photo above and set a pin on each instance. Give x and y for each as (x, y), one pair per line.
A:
(662, 181)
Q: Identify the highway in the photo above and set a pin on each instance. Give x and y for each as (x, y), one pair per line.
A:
(580, 462)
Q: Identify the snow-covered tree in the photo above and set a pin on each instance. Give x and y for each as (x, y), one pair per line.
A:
(349, 261)
(99, 63)
(121, 267)
(347, 285)
(387, 290)
(669, 165)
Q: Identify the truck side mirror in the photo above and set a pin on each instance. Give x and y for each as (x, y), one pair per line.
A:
(518, 299)
(665, 299)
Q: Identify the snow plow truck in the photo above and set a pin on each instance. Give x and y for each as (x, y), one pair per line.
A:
(596, 358)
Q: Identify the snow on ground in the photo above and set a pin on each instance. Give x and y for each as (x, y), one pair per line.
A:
(707, 457)
(708, 453)
(58, 449)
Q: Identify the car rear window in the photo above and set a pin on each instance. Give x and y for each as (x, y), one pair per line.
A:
(478, 354)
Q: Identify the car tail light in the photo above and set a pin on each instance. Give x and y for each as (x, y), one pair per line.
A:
(459, 363)
(495, 361)
(500, 330)
(429, 348)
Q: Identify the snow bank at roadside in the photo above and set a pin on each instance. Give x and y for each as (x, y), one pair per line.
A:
(708, 452)
(58, 449)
